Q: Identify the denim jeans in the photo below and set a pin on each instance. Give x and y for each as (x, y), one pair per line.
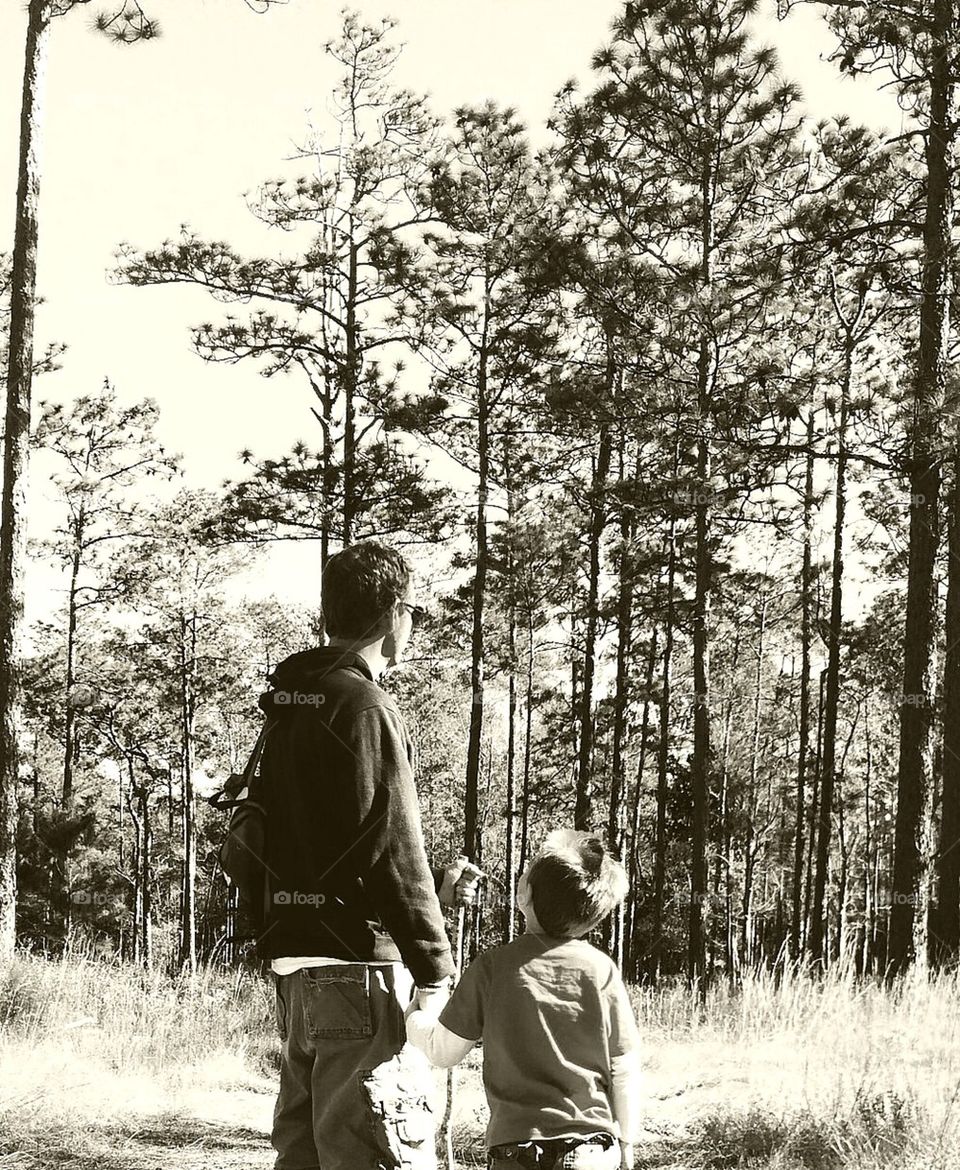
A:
(352, 1097)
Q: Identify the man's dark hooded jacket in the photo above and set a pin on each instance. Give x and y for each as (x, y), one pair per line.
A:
(347, 868)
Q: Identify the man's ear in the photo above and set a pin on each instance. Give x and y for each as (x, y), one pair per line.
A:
(389, 620)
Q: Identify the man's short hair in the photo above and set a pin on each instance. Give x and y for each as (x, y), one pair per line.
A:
(359, 587)
(574, 883)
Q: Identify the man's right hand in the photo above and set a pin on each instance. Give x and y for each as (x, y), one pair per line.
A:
(461, 881)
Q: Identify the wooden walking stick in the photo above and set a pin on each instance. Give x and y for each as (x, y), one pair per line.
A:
(446, 1125)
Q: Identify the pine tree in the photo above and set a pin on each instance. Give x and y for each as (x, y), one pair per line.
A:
(917, 43)
(126, 24)
(103, 451)
(689, 146)
(325, 312)
(853, 232)
(483, 319)
(183, 607)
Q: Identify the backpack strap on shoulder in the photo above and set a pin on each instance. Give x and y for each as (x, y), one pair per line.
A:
(228, 797)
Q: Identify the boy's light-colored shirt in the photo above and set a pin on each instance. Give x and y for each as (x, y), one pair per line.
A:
(555, 1021)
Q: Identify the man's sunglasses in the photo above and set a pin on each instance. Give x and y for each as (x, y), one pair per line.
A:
(417, 613)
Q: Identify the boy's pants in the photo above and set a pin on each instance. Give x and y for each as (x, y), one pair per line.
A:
(555, 1155)
(352, 1097)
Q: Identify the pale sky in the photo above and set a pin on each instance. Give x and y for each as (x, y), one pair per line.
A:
(142, 139)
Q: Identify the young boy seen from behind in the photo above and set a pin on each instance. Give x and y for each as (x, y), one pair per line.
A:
(560, 1041)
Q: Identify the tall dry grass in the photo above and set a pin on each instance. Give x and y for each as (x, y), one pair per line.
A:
(91, 1051)
(135, 1020)
(792, 1071)
(778, 1074)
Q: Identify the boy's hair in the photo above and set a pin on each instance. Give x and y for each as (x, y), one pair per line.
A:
(359, 586)
(574, 883)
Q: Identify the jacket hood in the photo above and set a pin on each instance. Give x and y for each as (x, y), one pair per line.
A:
(302, 672)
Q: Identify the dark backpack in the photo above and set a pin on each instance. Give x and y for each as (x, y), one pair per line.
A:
(242, 852)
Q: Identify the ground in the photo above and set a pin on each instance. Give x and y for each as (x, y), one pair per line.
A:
(104, 1067)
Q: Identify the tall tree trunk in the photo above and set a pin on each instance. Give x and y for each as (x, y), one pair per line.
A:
(70, 716)
(120, 819)
(702, 753)
(752, 845)
(146, 862)
(527, 748)
(70, 722)
(322, 390)
(847, 848)
(841, 936)
(510, 864)
(616, 826)
(908, 913)
(869, 891)
(932, 833)
(634, 869)
(36, 783)
(814, 814)
(352, 380)
(806, 621)
(575, 671)
(510, 853)
(136, 918)
(731, 954)
(948, 853)
(188, 920)
(663, 745)
(16, 453)
(832, 702)
(583, 810)
(475, 736)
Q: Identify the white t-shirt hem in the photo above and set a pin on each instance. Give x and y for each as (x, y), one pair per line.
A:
(290, 964)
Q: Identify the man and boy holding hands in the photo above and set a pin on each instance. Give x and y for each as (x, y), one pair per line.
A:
(357, 941)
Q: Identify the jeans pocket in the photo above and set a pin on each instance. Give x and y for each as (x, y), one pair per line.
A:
(403, 1124)
(336, 1001)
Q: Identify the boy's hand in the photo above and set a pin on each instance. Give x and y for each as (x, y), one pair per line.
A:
(428, 999)
(461, 879)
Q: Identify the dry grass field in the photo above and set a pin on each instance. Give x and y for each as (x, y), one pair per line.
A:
(105, 1067)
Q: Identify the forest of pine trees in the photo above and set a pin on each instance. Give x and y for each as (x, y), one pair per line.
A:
(663, 413)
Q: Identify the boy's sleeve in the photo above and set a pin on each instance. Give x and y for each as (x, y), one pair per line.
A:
(463, 1013)
(441, 1047)
(625, 1073)
(624, 1035)
(626, 1086)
